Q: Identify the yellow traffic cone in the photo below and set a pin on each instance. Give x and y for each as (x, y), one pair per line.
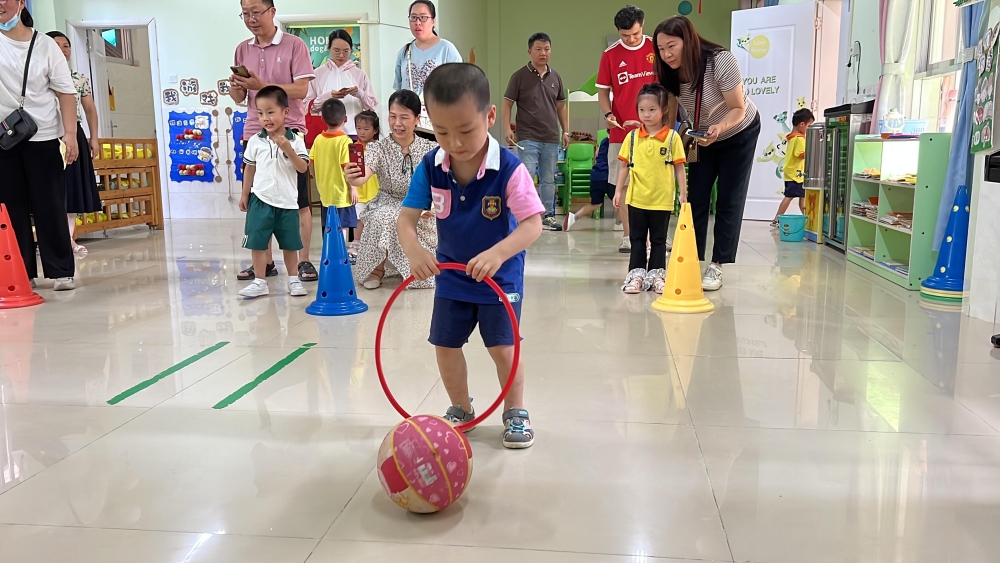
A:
(682, 292)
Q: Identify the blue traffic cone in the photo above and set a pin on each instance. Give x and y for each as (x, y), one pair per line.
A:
(948, 279)
(336, 296)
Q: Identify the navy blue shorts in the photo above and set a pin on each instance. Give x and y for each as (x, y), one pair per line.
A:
(600, 190)
(794, 189)
(348, 217)
(453, 322)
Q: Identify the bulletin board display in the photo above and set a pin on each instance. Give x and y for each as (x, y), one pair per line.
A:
(239, 122)
(192, 158)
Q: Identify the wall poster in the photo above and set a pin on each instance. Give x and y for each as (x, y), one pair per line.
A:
(986, 79)
(316, 37)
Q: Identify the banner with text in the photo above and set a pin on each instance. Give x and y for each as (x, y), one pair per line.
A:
(774, 47)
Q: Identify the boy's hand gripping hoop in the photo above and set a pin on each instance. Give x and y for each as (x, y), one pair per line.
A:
(513, 368)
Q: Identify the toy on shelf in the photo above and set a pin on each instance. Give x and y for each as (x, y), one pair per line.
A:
(128, 182)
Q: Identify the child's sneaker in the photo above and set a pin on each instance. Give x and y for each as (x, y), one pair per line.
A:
(456, 415)
(256, 289)
(626, 246)
(635, 282)
(296, 289)
(655, 280)
(352, 252)
(517, 434)
(568, 222)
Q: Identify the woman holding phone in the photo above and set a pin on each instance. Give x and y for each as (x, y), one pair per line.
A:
(393, 160)
(705, 77)
(342, 79)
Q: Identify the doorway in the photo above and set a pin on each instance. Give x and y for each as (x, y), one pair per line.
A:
(117, 60)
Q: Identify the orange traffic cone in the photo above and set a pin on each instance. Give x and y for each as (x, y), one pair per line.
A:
(15, 289)
(682, 292)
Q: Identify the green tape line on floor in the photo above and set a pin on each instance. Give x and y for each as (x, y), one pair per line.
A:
(282, 364)
(163, 374)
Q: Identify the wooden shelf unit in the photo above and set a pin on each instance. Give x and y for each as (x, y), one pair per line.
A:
(128, 181)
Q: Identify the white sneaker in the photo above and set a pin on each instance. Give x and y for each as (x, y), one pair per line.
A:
(656, 280)
(64, 284)
(635, 282)
(257, 288)
(296, 289)
(619, 226)
(713, 278)
(670, 244)
(625, 247)
(568, 223)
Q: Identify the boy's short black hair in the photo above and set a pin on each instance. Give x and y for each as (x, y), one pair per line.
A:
(276, 93)
(802, 116)
(334, 112)
(627, 17)
(449, 83)
(544, 37)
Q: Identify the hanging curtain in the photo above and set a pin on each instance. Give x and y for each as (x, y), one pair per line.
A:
(896, 34)
(960, 159)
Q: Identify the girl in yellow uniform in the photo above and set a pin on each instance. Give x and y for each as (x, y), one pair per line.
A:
(654, 155)
(367, 126)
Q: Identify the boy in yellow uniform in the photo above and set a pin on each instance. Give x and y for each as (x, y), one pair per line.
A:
(329, 156)
(795, 163)
(654, 155)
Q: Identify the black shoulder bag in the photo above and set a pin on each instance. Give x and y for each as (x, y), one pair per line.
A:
(18, 127)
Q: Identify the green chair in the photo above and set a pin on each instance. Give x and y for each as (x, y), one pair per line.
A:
(579, 162)
(601, 135)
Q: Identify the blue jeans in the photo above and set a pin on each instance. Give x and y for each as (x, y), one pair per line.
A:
(542, 157)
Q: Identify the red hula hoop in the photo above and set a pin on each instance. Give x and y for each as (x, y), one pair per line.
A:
(513, 369)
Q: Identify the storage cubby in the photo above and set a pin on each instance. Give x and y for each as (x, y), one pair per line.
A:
(896, 189)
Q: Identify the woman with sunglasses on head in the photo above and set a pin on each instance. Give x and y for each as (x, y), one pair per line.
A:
(419, 57)
(32, 169)
(393, 160)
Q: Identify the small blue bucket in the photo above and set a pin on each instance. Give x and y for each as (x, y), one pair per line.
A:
(791, 228)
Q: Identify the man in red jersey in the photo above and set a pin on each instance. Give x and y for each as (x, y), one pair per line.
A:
(626, 67)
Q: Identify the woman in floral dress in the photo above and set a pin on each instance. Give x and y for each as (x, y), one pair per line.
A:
(393, 159)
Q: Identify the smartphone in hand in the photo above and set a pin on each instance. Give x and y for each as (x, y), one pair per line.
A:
(698, 134)
(356, 152)
(240, 71)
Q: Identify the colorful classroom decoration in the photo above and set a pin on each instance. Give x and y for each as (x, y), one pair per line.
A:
(239, 122)
(191, 155)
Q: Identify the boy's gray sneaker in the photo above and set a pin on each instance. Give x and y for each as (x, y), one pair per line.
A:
(456, 415)
(517, 434)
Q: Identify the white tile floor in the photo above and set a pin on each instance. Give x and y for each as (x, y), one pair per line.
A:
(820, 414)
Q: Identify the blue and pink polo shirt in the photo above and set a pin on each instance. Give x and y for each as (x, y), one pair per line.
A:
(472, 219)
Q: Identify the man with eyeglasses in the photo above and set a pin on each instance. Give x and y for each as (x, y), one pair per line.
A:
(274, 58)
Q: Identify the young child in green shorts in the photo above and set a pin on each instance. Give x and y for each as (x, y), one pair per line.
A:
(273, 159)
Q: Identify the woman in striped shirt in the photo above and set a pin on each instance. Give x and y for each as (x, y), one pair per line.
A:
(706, 79)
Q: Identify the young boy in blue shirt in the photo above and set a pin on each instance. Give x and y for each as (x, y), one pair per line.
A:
(488, 213)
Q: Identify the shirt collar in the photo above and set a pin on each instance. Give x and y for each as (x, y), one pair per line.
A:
(275, 41)
(288, 134)
(793, 134)
(491, 162)
(662, 135)
(333, 135)
(534, 70)
(640, 46)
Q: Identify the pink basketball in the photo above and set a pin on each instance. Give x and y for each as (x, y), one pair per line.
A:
(424, 464)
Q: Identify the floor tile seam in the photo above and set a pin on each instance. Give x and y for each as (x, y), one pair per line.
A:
(156, 531)
(526, 550)
(845, 431)
(368, 476)
(984, 421)
(92, 442)
(711, 486)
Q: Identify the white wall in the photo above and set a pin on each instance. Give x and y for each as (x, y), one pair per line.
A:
(864, 28)
(134, 115)
(197, 38)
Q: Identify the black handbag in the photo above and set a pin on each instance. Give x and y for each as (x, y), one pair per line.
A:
(18, 127)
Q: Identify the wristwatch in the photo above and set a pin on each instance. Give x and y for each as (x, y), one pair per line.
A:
(609, 114)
